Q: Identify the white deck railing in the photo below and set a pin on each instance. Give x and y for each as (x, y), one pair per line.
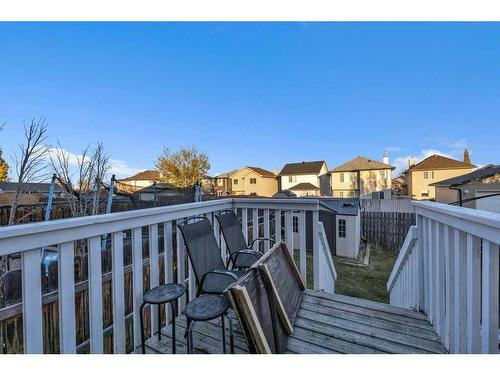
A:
(30, 238)
(326, 267)
(449, 269)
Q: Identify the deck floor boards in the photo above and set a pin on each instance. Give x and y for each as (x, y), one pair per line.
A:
(325, 324)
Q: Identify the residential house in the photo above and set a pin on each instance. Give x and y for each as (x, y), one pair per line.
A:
(223, 183)
(479, 189)
(254, 181)
(139, 181)
(31, 193)
(305, 178)
(420, 177)
(363, 178)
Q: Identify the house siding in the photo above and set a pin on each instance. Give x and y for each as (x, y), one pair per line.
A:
(264, 186)
(417, 184)
(370, 182)
(349, 246)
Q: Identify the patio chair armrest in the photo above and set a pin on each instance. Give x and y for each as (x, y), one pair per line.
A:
(225, 273)
(271, 241)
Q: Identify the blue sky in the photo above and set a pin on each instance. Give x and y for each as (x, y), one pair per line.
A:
(258, 94)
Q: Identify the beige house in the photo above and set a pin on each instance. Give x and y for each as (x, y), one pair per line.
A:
(479, 189)
(223, 183)
(305, 178)
(254, 181)
(139, 181)
(421, 177)
(363, 178)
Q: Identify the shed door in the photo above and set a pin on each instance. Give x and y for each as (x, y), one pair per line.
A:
(491, 204)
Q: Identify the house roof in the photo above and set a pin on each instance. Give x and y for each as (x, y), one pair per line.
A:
(32, 187)
(227, 174)
(439, 162)
(305, 167)
(478, 174)
(304, 186)
(261, 171)
(285, 194)
(362, 163)
(144, 175)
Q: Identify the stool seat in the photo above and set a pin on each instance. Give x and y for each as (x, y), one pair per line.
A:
(206, 307)
(164, 293)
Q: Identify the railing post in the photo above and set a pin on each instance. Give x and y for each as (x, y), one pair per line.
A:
(154, 273)
(303, 245)
(315, 242)
(420, 263)
(459, 309)
(490, 289)
(118, 294)
(95, 295)
(67, 326)
(473, 293)
(138, 284)
(277, 225)
(32, 302)
(267, 229)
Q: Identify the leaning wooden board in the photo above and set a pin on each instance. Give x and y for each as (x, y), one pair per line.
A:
(267, 299)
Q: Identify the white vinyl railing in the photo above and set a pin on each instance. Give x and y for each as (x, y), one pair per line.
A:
(326, 267)
(452, 274)
(262, 216)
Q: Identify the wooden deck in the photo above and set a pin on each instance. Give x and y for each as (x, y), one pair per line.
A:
(326, 324)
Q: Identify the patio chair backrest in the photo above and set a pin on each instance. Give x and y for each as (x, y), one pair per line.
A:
(232, 231)
(202, 248)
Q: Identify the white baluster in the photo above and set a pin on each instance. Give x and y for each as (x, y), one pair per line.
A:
(473, 293)
(118, 294)
(255, 227)
(138, 284)
(277, 225)
(181, 272)
(489, 328)
(244, 223)
(154, 273)
(95, 295)
(315, 240)
(32, 302)
(449, 337)
(460, 303)
(169, 260)
(267, 229)
(67, 326)
(303, 245)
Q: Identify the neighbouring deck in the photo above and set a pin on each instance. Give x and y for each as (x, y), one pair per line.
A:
(326, 324)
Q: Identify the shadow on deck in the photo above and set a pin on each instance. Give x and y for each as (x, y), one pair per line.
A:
(325, 324)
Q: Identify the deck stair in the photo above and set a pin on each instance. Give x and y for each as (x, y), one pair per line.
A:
(327, 324)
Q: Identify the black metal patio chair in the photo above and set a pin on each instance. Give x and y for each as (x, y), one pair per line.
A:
(242, 255)
(212, 275)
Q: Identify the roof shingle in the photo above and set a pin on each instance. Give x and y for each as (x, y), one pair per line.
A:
(305, 167)
(362, 163)
(304, 186)
(439, 162)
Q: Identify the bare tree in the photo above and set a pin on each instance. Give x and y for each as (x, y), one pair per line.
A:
(84, 191)
(31, 160)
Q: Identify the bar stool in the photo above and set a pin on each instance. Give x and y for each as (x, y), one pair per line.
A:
(166, 293)
(204, 308)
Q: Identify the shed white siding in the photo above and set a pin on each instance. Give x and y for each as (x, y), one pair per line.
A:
(348, 246)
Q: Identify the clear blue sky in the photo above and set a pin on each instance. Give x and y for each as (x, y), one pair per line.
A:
(258, 94)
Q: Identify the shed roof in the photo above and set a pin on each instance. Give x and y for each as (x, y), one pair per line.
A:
(342, 206)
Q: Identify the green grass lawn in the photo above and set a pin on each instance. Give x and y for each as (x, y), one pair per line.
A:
(366, 282)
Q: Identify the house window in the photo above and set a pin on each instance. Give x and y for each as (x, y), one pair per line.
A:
(253, 181)
(220, 182)
(429, 175)
(292, 178)
(295, 224)
(382, 174)
(342, 177)
(342, 228)
(425, 193)
(235, 181)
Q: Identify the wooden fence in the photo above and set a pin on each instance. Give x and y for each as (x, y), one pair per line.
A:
(386, 229)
